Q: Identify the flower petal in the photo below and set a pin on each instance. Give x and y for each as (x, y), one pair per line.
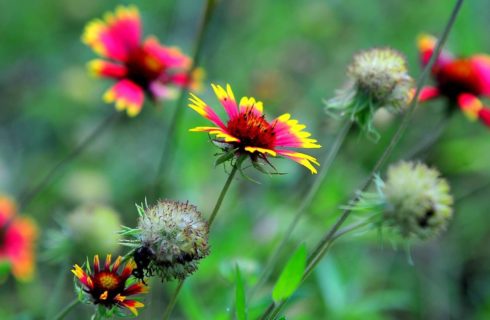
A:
(128, 269)
(132, 305)
(261, 150)
(484, 116)
(116, 264)
(220, 133)
(170, 57)
(289, 133)
(108, 69)
(116, 35)
(470, 105)
(428, 93)
(427, 45)
(136, 288)
(481, 63)
(227, 99)
(300, 158)
(96, 264)
(249, 104)
(204, 110)
(127, 95)
(107, 264)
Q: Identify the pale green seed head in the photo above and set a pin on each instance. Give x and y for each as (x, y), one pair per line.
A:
(418, 202)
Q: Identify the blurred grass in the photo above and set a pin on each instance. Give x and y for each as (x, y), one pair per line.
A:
(291, 54)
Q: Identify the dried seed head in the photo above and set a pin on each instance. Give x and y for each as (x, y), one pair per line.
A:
(378, 78)
(382, 74)
(418, 202)
(177, 236)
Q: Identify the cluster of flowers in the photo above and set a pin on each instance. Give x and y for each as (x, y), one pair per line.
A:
(171, 237)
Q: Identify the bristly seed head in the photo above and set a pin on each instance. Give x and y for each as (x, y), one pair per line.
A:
(177, 236)
(418, 202)
(377, 78)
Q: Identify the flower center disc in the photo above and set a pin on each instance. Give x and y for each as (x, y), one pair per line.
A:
(458, 77)
(107, 281)
(252, 130)
(143, 68)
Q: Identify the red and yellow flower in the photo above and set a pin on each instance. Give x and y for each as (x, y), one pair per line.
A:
(108, 287)
(461, 80)
(138, 67)
(247, 132)
(17, 240)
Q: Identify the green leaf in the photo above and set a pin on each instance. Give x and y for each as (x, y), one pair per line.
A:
(240, 303)
(291, 275)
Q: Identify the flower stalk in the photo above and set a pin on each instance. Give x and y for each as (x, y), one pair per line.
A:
(171, 137)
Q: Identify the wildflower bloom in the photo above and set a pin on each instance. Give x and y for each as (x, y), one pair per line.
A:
(462, 81)
(138, 68)
(377, 78)
(17, 240)
(247, 132)
(171, 238)
(107, 286)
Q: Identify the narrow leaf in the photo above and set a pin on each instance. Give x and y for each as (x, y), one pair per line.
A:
(240, 303)
(291, 275)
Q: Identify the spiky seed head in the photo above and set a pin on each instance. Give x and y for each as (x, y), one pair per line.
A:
(378, 78)
(418, 202)
(178, 237)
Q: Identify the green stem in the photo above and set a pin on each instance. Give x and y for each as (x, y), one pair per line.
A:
(173, 300)
(29, 195)
(223, 192)
(324, 169)
(323, 245)
(217, 206)
(171, 137)
(62, 314)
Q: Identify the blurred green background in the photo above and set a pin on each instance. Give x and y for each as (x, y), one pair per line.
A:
(291, 54)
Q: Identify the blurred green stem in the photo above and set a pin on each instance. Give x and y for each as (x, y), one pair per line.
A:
(173, 300)
(30, 194)
(171, 137)
(311, 193)
(217, 206)
(66, 310)
(325, 242)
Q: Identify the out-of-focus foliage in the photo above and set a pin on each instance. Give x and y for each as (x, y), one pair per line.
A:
(292, 55)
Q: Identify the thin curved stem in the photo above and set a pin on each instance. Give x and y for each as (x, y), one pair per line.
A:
(63, 313)
(173, 300)
(313, 190)
(29, 195)
(171, 137)
(323, 245)
(217, 206)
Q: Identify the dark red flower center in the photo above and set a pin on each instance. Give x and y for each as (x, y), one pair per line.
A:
(456, 77)
(106, 281)
(143, 68)
(252, 130)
